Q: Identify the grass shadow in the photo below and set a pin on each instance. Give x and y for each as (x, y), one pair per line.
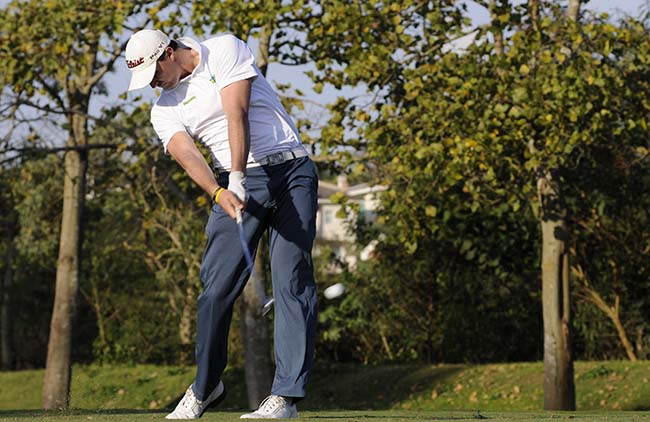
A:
(33, 413)
(356, 387)
(419, 417)
(236, 394)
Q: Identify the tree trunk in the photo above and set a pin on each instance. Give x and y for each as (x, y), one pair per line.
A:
(258, 366)
(533, 12)
(5, 312)
(185, 324)
(95, 299)
(497, 28)
(559, 389)
(56, 383)
(262, 58)
(620, 330)
(255, 334)
(573, 10)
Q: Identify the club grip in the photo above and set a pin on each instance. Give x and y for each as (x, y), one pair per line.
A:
(238, 217)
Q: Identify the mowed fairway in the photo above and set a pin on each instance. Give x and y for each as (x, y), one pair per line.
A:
(332, 416)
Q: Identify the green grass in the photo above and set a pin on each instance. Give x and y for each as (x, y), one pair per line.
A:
(612, 385)
(348, 392)
(336, 416)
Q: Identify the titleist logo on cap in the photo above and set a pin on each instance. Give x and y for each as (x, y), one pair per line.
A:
(133, 63)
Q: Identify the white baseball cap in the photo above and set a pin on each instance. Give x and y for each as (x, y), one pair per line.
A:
(142, 51)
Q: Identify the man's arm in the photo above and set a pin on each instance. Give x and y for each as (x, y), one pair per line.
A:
(183, 149)
(235, 99)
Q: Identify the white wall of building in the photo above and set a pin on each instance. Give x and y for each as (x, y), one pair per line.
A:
(333, 229)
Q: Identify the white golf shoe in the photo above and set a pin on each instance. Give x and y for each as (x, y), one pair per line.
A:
(191, 408)
(273, 407)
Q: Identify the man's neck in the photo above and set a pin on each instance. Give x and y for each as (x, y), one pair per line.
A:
(189, 60)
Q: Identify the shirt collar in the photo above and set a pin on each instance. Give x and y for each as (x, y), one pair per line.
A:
(196, 46)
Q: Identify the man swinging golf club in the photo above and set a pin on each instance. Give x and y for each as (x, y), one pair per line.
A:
(213, 92)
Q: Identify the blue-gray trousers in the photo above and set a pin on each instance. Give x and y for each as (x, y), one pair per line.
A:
(283, 200)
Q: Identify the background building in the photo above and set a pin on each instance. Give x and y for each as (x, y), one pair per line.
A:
(337, 232)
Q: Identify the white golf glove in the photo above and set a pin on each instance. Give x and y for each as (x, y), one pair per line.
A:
(237, 185)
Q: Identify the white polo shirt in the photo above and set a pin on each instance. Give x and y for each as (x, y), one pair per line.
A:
(194, 105)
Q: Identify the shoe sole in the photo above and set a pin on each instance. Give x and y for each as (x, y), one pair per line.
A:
(291, 416)
(215, 402)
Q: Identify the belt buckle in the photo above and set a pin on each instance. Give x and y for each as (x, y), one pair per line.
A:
(274, 159)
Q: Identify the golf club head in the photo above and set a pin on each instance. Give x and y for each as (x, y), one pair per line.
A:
(267, 307)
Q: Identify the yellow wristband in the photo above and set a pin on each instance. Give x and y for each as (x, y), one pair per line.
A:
(217, 193)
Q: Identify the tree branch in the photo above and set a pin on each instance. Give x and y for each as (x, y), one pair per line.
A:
(35, 150)
(99, 74)
(54, 94)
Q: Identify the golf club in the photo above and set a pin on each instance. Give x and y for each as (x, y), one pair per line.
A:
(264, 300)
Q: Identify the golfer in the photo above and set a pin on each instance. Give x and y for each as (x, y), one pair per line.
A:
(213, 92)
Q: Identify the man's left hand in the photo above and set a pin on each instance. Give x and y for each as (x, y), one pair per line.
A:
(230, 203)
(237, 185)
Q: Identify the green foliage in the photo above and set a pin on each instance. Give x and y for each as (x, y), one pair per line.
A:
(31, 196)
(51, 47)
(39, 194)
(145, 242)
(393, 310)
(459, 139)
(57, 53)
(346, 331)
